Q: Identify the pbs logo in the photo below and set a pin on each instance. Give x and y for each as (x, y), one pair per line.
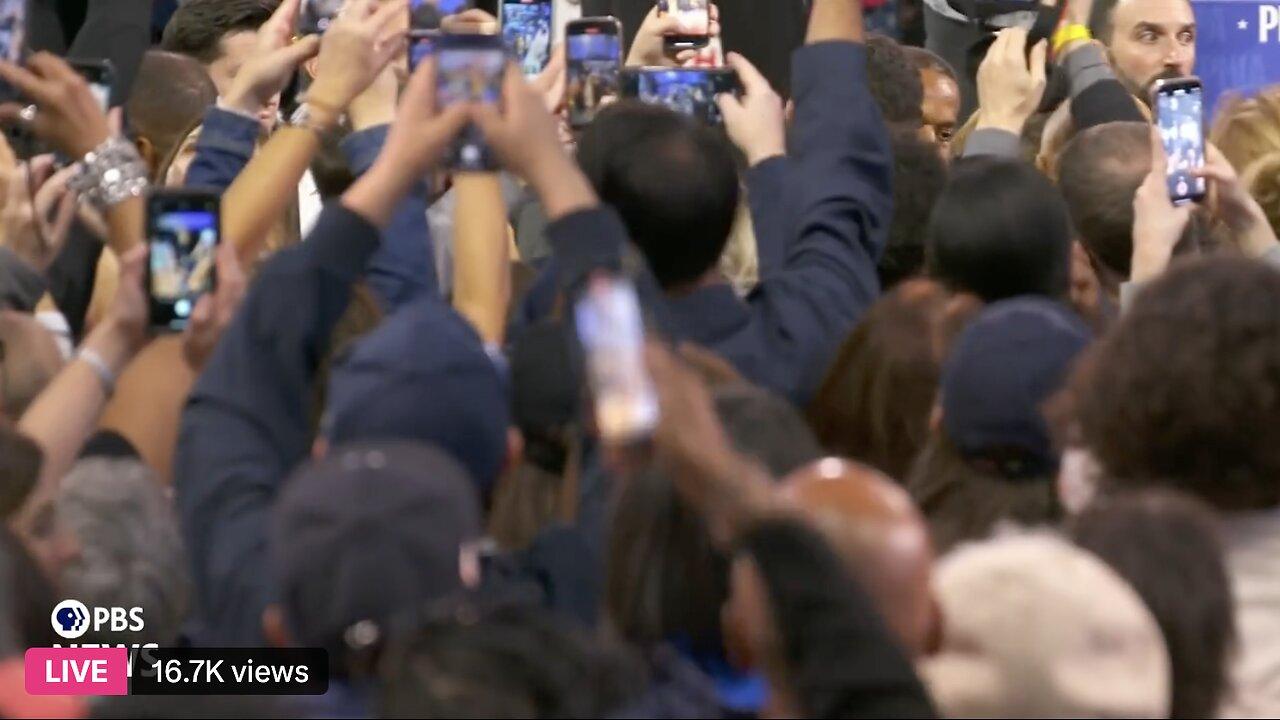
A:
(70, 619)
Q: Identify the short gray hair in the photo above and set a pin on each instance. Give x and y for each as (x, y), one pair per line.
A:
(131, 552)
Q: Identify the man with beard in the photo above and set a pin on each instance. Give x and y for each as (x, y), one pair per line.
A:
(1146, 39)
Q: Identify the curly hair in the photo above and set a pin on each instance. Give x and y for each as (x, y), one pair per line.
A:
(1187, 386)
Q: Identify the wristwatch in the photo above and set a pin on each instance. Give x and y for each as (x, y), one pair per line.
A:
(304, 117)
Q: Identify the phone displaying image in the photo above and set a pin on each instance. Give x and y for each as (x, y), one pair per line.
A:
(101, 76)
(13, 39)
(183, 231)
(611, 330)
(688, 91)
(694, 19)
(314, 16)
(469, 68)
(593, 66)
(1179, 106)
(527, 30)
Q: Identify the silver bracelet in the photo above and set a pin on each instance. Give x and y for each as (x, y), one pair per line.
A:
(100, 368)
(110, 174)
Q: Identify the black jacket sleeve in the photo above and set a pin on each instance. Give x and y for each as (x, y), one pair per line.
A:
(842, 661)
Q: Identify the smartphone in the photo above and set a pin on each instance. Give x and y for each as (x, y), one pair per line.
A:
(13, 40)
(422, 45)
(315, 16)
(183, 231)
(469, 68)
(101, 76)
(611, 330)
(694, 20)
(1179, 109)
(689, 91)
(593, 66)
(527, 30)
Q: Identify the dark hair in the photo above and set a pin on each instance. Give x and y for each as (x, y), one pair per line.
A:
(1099, 172)
(513, 661)
(674, 182)
(1166, 545)
(197, 27)
(962, 502)
(20, 463)
(665, 578)
(1100, 20)
(928, 60)
(1000, 229)
(170, 94)
(31, 594)
(329, 165)
(919, 175)
(1184, 388)
(894, 81)
(874, 404)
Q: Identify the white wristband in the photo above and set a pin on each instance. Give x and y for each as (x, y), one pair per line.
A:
(100, 368)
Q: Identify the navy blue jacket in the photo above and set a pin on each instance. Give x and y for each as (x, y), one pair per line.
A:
(819, 247)
(403, 268)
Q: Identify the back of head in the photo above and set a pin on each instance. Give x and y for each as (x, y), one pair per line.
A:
(197, 28)
(665, 578)
(373, 529)
(871, 522)
(919, 175)
(1166, 545)
(20, 463)
(1246, 129)
(29, 358)
(423, 375)
(170, 94)
(1099, 173)
(505, 662)
(1262, 178)
(131, 551)
(929, 60)
(874, 404)
(1183, 389)
(1000, 229)
(1035, 627)
(674, 183)
(894, 82)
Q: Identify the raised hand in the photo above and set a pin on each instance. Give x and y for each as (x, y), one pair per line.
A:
(257, 86)
(359, 43)
(1230, 202)
(649, 46)
(214, 312)
(1010, 84)
(756, 122)
(66, 113)
(1158, 224)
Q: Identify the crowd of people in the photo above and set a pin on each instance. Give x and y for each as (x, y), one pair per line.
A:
(959, 413)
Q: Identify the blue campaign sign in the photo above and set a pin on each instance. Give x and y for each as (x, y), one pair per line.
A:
(1237, 46)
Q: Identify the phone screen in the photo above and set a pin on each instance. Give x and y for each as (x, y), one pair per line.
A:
(100, 78)
(593, 63)
(693, 17)
(611, 331)
(314, 16)
(1179, 112)
(687, 91)
(526, 29)
(183, 233)
(469, 74)
(13, 37)
(422, 45)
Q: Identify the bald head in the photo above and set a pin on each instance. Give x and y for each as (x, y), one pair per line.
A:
(873, 525)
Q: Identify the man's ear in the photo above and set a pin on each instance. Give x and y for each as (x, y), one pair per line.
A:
(310, 67)
(274, 629)
(147, 150)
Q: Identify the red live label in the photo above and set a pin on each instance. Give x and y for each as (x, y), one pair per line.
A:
(77, 671)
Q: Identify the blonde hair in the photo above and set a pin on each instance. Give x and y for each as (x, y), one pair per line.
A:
(1262, 179)
(1246, 129)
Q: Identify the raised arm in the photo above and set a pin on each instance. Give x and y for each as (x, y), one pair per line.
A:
(352, 54)
(245, 426)
(839, 192)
